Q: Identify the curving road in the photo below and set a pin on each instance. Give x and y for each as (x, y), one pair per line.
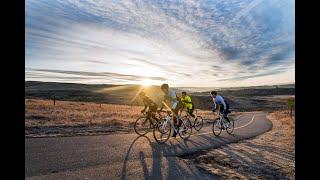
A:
(128, 156)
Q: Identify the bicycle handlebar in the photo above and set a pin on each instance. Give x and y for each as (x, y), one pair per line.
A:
(158, 112)
(168, 111)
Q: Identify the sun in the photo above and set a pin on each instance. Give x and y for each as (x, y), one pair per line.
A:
(146, 82)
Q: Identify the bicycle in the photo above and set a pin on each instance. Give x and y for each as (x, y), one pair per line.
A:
(197, 120)
(221, 123)
(163, 128)
(144, 124)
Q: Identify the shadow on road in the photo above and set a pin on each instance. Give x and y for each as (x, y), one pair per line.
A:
(168, 161)
(165, 165)
(248, 160)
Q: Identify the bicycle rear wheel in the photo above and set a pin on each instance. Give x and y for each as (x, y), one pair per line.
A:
(230, 127)
(185, 129)
(162, 131)
(142, 126)
(198, 123)
(216, 128)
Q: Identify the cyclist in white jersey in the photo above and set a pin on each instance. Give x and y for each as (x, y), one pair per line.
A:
(220, 101)
(176, 104)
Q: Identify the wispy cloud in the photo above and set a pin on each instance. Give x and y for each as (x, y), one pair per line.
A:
(197, 43)
(85, 75)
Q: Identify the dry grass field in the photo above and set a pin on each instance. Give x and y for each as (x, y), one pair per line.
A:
(44, 113)
(43, 117)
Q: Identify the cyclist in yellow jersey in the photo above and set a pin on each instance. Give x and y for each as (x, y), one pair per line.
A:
(187, 103)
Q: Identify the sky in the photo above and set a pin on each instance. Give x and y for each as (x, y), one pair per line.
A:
(185, 43)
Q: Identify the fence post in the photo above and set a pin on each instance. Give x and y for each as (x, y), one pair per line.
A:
(54, 100)
(291, 103)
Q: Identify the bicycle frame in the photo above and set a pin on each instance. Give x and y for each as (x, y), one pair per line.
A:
(196, 114)
(151, 117)
(170, 120)
(221, 119)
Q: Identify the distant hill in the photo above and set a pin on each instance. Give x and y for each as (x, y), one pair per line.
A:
(246, 98)
(208, 89)
(100, 93)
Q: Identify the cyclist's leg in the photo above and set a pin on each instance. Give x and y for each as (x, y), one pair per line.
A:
(221, 109)
(148, 118)
(153, 110)
(149, 113)
(175, 109)
(175, 113)
(226, 113)
(190, 111)
(179, 106)
(174, 118)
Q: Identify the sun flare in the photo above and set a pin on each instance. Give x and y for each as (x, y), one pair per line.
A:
(146, 82)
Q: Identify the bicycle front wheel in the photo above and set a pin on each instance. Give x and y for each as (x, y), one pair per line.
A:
(162, 131)
(216, 128)
(198, 123)
(230, 126)
(142, 126)
(185, 129)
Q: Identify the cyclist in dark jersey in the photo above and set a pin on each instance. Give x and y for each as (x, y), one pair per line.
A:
(148, 103)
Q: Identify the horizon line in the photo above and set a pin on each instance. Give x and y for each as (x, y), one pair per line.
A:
(289, 83)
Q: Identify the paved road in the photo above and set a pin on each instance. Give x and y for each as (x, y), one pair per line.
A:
(128, 156)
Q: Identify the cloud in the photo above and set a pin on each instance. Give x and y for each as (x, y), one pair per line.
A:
(98, 74)
(180, 42)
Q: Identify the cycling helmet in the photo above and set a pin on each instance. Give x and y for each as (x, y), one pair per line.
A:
(164, 86)
(213, 93)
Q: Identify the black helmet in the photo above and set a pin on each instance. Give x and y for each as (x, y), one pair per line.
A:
(184, 93)
(164, 86)
(213, 93)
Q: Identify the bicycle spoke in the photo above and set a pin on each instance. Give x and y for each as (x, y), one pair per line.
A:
(198, 123)
(230, 128)
(162, 132)
(142, 126)
(186, 129)
(217, 127)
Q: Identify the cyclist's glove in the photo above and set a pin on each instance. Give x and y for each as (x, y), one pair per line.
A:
(213, 110)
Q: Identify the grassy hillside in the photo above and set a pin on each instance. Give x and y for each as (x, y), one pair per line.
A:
(111, 94)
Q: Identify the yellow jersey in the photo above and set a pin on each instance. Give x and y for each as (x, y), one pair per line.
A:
(187, 102)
